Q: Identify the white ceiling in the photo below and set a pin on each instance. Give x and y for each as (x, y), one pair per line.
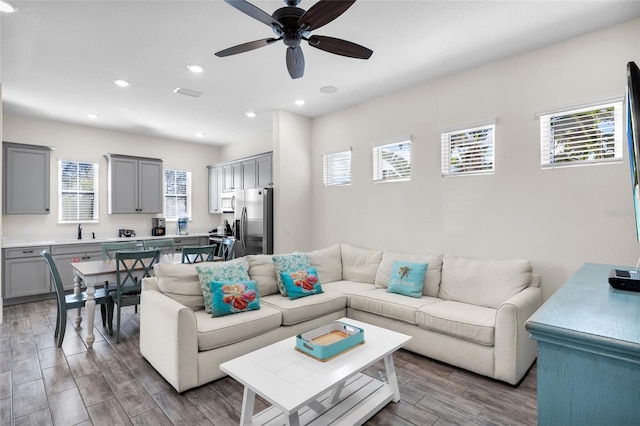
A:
(59, 58)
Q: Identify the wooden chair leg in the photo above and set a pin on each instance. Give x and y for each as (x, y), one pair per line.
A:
(118, 326)
(62, 328)
(103, 313)
(55, 334)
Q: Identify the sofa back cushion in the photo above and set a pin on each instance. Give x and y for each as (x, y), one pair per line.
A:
(180, 282)
(360, 265)
(434, 271)
(328, 263)
(261, 270)
(483, 282)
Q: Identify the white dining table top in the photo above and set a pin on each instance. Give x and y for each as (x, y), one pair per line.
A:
(100, 267)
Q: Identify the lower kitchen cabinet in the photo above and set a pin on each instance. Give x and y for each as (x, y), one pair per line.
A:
(24, 273)
(189, 241)
(65, 255)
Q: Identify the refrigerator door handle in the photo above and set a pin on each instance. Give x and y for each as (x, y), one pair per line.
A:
(243, 229)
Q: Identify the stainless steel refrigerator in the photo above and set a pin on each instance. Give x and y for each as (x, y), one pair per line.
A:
(253, 221)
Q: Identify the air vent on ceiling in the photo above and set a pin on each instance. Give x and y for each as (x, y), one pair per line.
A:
(187, 92)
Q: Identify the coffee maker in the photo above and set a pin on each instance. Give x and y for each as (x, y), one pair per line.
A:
(158, 227)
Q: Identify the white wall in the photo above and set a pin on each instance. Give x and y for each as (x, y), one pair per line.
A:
(258, 144)
(77, 143)
(559, 218)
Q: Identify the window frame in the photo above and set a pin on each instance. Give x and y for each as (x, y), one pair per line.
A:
(62, 191)
(166, 196)
(332, 163)
(377, 157)
(446, 149)
(546, 153)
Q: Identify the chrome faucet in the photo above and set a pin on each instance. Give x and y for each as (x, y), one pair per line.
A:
(79, 231)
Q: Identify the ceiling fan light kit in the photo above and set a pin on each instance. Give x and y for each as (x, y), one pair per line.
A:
(292, 25)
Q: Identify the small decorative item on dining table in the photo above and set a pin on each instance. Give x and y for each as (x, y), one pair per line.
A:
(328, 341)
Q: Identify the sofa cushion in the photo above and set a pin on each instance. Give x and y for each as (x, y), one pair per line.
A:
(390, 305)
(301, 283)
(222, 331)
(233, 270)
(261, 270)
(328, 263)
(461, 320)
(347, 287)
(288, 263)
(233, 297)
(432, 279)
(483, 282)
(180, 282)
(407, 278)
(360, 264)
(306, 308)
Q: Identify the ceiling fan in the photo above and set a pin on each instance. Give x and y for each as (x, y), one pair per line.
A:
(292, 25)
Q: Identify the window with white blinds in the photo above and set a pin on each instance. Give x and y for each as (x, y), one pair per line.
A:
(589, 135)
(78, 198)
(392, 162)
(469, 151)
(177, 194)
(336, 168)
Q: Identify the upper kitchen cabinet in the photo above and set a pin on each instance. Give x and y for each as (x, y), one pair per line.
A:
(264, 177)
(26, 178)
(232, 176)
(135, 184)
(216, 178)
(248, 173)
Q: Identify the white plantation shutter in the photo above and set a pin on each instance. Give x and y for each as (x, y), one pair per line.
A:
(589, 135)
(177, 194)
(392, 162)
(336, 168)
(78, 196)
(468, 151)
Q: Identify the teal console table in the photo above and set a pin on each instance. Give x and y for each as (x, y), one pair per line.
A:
(588, 337)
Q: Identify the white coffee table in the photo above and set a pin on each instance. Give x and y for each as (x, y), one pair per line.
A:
(307, 391)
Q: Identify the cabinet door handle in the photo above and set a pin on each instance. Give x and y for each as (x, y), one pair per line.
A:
(27, 251)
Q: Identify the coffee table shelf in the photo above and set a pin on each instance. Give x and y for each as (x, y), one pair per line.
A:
(306, 391)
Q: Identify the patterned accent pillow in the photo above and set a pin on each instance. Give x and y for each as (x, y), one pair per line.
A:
(288, 262)
(234, 296)
(301, 283)
(219, 271)
(407, 278)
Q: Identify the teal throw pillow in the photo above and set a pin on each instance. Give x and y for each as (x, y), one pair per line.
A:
(234, 296)
(288, 262)
(407, 278)
(221, 272)
(301, 283)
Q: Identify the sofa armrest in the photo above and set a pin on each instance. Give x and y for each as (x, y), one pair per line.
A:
(150, 283)
(169, 339)
(514, 350)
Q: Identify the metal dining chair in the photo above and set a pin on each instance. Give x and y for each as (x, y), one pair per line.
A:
(131, 267)
(74, 301)
(166, 246)
(226, 248)
(196, 254)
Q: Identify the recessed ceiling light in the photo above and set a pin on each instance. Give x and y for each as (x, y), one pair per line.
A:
(328, 89)
(200, 135)
(195, 68)
(299, 102)
(121, 83)
(7, 6)
(93, 116)
(251, 114)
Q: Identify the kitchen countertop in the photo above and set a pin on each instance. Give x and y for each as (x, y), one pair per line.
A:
(52, 240)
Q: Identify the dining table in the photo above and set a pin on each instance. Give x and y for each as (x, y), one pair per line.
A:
(95, 272)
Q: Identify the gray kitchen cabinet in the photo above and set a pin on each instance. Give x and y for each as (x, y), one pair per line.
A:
(249, 173)
(232, 176)
(135, 184)
(26, 178)
(216, 177)
(24, 273)
(237, 175)
(264, 177)
(65, 255)
(189, 241)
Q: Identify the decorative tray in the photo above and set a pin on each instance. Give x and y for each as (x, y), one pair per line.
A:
(328, 341)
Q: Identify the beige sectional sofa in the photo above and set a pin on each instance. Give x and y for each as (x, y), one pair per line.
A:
(471, 314)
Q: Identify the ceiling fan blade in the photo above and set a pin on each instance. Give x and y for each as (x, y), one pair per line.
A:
(295, 62)
(255, 12)
(245, 47)
(322, 13)
(340, 47)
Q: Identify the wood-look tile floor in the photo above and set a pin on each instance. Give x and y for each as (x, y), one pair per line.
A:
(112, 384)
